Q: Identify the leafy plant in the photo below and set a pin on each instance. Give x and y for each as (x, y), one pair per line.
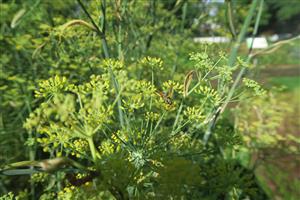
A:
(117, 119)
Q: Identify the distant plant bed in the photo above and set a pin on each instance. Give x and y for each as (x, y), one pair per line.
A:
(285, 56)
(290, 83)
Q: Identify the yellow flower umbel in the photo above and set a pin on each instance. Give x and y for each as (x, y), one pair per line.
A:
(80, 148)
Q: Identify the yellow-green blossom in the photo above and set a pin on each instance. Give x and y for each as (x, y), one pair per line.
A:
(258, 90)
(154, 63)
(194, 114)
(152, 116)
(51, 86)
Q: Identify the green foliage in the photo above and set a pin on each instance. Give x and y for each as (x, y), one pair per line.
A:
(279, 57)
(289, 83)
(287, 185)
(260, 123)
(71, 117)
(118, 118)
(8, 196)
(284, 10)
(254, 86)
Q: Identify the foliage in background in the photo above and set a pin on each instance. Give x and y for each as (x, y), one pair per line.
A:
(287, 55)
(285, 10)
(117, 105)
(260, 121)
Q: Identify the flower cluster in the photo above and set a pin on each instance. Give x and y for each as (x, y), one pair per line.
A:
(113, 64)
(144, 87)
(79, 147)
(51, 86)
(68, 193)
(210, 97)
(202, 61)
(71, 114)
(39, 177)
(119, 121)
(152, 116)
(258, 90)
(134, 103)
(225, 72)
(137, 158)
(194, 114)
(171, 85)
(154, 63)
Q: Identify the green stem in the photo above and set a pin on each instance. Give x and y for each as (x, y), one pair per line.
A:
(32, 149)
(92, 148)
(120, 52)
(100, 33)
(104, 41)
(183, 16)
(178, 115)
(106, 53)
(230, 19)
(243, 70)
(183, 19)
(231, 62)
(120, 7)
(237, 44)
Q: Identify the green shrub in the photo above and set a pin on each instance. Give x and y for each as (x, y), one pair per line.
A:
(111, 112)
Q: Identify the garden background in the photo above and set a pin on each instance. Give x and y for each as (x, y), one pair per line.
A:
(149, 99)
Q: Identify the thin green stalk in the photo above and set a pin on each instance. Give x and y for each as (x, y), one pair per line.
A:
(243, 70)
(230, 18)
(177, 115)
(120, 7)
(100, 33)
(92, 148)
(183, 16)
(261, 6)
(106, 53)
(159, 121)
(155, 127)
(200, 81)
(174, 133)
(241, 36)
(115, 81)
(32, 150)
(151, 101)
(231, 62)
(183, 19)
(120, 52)
(104, 41)
(152, 82)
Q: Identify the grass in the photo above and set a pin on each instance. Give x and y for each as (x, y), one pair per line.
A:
(278, 183)
(291, 83)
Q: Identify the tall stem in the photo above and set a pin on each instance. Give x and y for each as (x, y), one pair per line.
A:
(241, 36)
(231, 62)
(101, 33)
(104, 41)
(230, 19)
(243, 70)
(92, 148)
